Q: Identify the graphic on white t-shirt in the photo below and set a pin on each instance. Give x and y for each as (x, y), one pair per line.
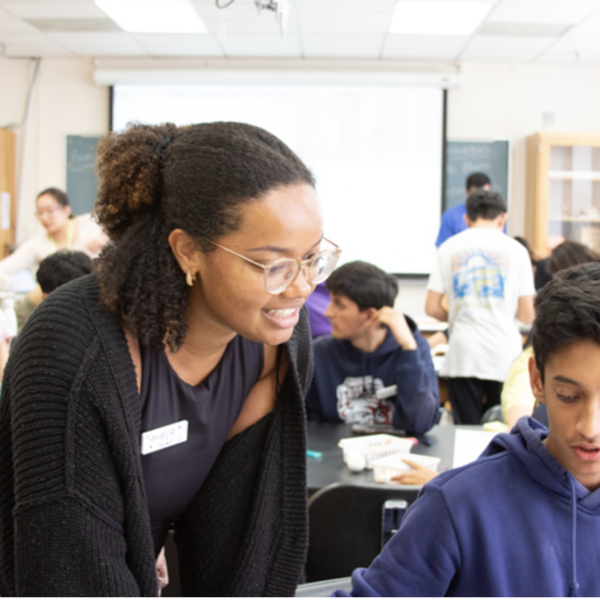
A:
(479, 278)
(357, 402)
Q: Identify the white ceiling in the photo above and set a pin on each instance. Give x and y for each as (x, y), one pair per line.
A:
(515, 31)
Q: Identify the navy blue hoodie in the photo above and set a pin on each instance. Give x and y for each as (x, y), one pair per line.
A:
(345, 379)
(512, 523)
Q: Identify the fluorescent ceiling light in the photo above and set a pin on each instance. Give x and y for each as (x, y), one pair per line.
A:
(438, 18)
(153, 16)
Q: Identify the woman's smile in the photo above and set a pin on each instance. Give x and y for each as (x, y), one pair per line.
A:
(282, 317)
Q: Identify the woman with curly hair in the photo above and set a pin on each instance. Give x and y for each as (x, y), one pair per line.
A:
(175, 398)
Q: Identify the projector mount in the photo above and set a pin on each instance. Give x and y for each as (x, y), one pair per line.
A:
(281, 8)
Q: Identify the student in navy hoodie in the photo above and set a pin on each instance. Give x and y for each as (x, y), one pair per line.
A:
(524, 519)
(372, 346)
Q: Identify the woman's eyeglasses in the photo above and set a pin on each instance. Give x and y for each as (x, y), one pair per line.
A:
(49, 211)
(280, 273)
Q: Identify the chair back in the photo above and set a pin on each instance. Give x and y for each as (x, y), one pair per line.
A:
(345, 526)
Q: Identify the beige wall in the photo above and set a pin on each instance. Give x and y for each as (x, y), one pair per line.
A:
(507, 102)
(65, 102)
(494, 100)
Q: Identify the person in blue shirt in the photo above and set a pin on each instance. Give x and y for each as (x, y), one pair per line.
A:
(453, 219)
(524, 519)
(372, 346)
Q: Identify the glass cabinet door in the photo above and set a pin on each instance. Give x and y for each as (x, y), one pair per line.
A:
(574, 196)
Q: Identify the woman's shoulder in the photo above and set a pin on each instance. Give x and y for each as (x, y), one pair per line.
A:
(70, 312)
(65, 330)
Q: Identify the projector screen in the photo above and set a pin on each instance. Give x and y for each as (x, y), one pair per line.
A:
(376, 153)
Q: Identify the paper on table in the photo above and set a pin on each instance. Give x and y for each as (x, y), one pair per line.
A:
(468, 445)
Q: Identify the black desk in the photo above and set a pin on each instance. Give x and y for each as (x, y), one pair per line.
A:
(324, 437)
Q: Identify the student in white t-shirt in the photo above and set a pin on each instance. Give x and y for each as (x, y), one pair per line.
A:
(488, 279)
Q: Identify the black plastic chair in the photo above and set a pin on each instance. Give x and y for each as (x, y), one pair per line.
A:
(494, 413)
(345, 526)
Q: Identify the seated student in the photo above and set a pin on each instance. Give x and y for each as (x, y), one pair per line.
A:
(517, 399)
(55, 270)
(372, 346)
(524, 519)
(60, 268)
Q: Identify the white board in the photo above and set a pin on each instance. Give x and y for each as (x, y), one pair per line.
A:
(376, 153)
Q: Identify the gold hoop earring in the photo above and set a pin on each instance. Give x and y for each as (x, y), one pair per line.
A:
(190, 278)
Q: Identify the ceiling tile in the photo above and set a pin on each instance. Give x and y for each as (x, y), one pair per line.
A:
(4, 2)
(580, 45)
(187, 44)
(243, 19)
(238, 11)
(342, 46)
(523, 29)
(506, 49)
(440, 47)
(48, 49)
(10, 37)
(566, 12)
(13, 25)
(99, 44)
(77, 25)
(573, 50)
(265, 24)
(355, 17)
(53, 10)
(257, 24)
(589, 28)
(263, 45)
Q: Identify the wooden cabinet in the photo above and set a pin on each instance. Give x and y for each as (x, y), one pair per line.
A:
(563, 190)
(7, 191)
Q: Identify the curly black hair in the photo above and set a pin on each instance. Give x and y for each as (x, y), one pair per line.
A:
(567, 311)
(61, 267)
(154, 179)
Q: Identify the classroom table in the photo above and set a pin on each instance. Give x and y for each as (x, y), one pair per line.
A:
(324, 438)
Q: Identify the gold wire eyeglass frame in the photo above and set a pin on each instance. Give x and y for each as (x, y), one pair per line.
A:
(303, 265)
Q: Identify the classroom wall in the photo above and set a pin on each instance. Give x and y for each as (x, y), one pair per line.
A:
(494, 100)
(65, 101)
(504, 101)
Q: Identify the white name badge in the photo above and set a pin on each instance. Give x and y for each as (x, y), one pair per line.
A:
(164, 437)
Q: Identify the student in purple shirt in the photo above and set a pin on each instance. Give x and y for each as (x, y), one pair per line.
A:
(453, 219)
(316, 305)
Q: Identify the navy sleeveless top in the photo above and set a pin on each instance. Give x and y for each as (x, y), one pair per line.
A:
(174, 475)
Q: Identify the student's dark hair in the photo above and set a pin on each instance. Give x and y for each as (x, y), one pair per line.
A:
(60, 268)
(154, 179)
(567, 311)
(570, 254)
(477, 180)
(60, 196)
(485, 204)
(365, 284)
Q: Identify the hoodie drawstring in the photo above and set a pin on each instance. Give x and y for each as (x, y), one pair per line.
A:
(574, 588)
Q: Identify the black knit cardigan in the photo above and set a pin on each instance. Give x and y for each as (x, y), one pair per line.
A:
(73, 511)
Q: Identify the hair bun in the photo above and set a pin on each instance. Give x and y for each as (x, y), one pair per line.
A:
(130, 171)
(162, 146)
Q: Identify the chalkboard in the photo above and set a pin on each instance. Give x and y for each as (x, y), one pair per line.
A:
(464, 158)
(82, 182)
